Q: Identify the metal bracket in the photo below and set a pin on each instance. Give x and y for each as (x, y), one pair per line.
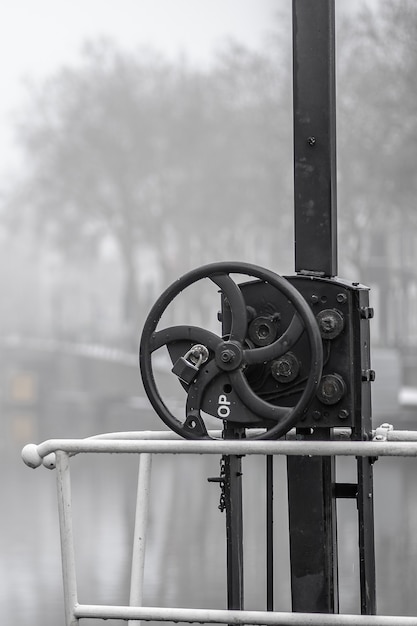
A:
(381, 433)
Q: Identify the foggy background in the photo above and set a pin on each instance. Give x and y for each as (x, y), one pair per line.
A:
(139, 140)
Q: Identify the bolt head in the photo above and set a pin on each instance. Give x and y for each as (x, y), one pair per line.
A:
(227, 356)
(331, 323)
(286, 368)
(331, 389)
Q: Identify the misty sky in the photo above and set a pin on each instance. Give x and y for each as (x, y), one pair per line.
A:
(38, 37)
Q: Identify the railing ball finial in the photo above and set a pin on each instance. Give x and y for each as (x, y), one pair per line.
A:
(30, 455)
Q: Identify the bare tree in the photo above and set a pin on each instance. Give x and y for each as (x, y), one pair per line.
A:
(377, 125)
(195, 165)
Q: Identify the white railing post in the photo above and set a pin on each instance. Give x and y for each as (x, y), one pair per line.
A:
(139, 538)
(67, 537)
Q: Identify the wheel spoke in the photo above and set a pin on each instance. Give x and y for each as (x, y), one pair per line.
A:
(197, 389)
(254, 402)
(195, 424)
(279, 346)
(187, 333)
(237, 305)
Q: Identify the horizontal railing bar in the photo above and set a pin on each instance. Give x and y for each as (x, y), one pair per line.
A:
(241, 447)
(210, 616)
(338, 433)
(402, 435)
(162, 435)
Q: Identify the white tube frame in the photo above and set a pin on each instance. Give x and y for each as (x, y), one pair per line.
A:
(140, 532)
(242, 446)
(148, 443)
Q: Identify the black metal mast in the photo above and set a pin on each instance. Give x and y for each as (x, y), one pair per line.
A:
(312, 489)
(314, 95)
(312, 514)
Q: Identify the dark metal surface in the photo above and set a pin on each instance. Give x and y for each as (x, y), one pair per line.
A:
(234, 531)
(234, 524)
(363, 430)
(311, 489)
(314, 137)
(365, 500)
(270, 532)
(312, 527)
(336, 304)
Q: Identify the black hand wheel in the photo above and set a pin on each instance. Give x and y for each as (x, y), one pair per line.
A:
(231, 356)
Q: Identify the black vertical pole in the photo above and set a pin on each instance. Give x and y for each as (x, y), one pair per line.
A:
(366, 535)
(365, 493)
(234, 531)
(234, 522)
(312, 525)
(314, 137)
(270, 532)
(311, 484)
(312, 510)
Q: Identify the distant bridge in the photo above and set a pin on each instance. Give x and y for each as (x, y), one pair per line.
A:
(58, 388)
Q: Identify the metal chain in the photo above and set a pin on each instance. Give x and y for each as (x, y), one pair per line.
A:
(222, 482)
(222, 503)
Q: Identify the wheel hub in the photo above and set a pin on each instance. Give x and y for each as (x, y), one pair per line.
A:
(229, 356)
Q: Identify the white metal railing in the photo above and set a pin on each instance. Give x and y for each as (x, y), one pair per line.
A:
(57, 452)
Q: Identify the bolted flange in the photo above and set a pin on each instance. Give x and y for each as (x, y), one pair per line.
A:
(229, 356)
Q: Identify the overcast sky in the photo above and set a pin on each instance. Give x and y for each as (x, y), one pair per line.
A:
(39, 36)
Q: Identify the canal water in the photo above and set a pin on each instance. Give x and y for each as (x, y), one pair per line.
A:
(185, 564)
